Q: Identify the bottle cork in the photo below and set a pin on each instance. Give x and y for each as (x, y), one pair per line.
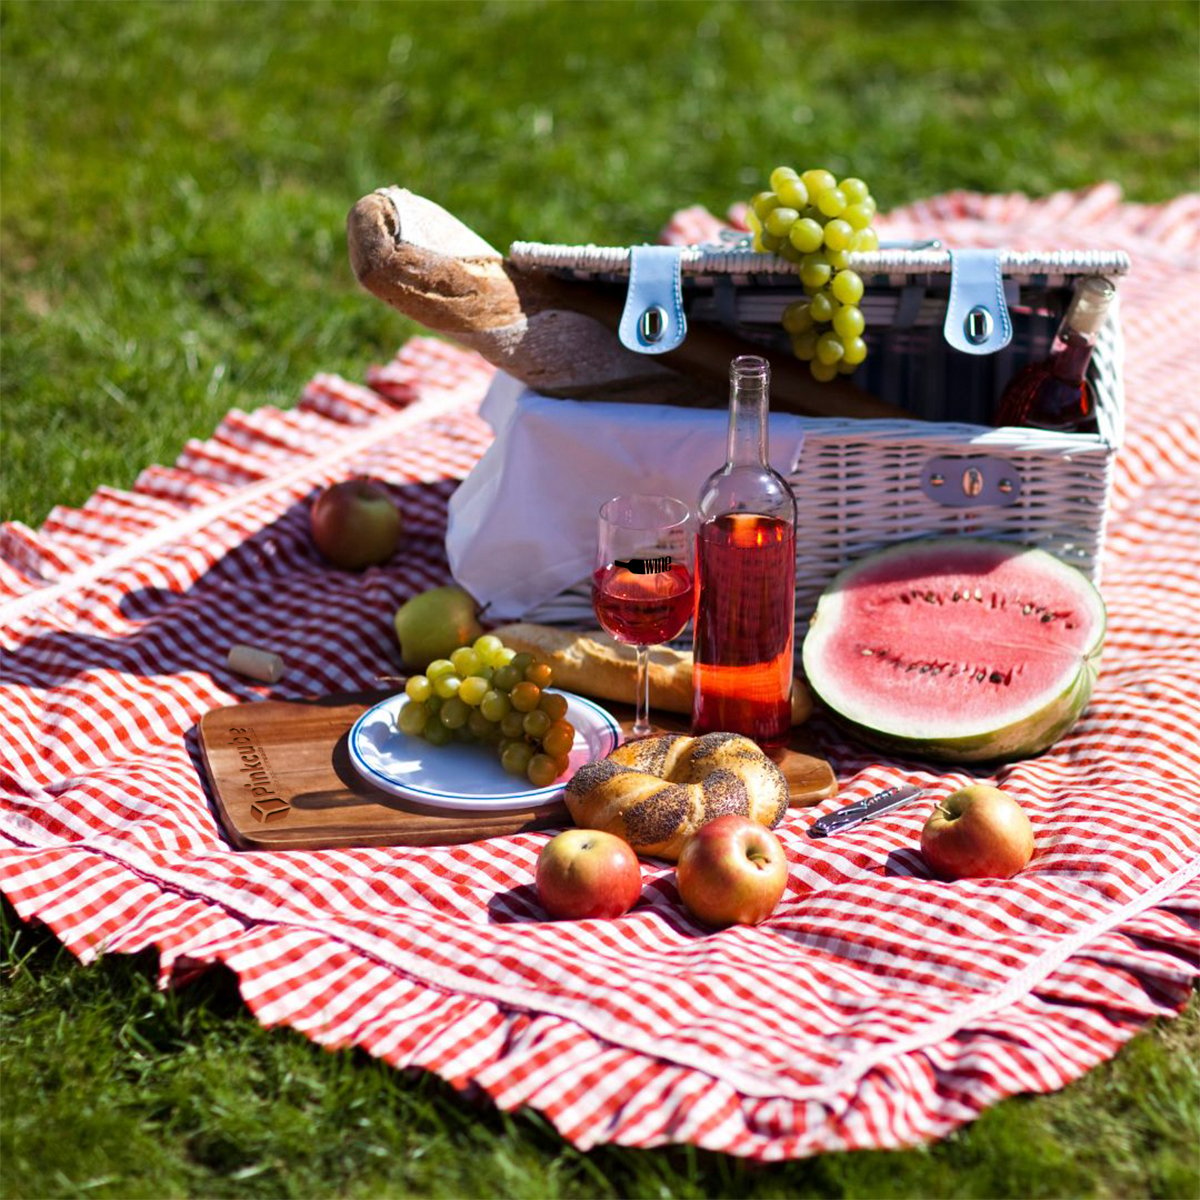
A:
(262, 665)
(1089, 306)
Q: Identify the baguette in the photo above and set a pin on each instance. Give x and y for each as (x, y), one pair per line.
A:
(594, 664)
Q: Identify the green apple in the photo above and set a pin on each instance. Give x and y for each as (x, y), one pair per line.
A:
(434, 624)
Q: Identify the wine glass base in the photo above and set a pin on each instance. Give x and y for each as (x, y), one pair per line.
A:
(656, 728)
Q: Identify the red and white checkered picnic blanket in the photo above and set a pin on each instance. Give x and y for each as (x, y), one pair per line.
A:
(876, 1008)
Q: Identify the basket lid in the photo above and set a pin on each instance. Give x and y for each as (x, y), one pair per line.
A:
(738, 259)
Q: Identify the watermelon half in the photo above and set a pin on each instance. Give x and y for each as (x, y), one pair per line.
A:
(958, 649)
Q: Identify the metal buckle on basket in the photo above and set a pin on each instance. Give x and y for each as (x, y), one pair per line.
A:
(653, 320)
(977, 320)
(971, 481)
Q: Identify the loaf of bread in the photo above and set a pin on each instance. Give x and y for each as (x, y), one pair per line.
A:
(594, 664)
(657, 791)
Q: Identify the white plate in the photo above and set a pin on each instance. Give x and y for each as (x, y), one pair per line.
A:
(464, 777)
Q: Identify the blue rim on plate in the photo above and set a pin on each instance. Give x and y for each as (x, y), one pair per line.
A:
(464, 777)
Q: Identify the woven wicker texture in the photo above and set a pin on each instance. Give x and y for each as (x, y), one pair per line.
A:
(709, 260)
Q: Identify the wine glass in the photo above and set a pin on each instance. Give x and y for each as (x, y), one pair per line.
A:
(642, 583)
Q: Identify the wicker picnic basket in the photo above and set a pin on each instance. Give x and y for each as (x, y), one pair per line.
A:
(864, 484)
(910, 452)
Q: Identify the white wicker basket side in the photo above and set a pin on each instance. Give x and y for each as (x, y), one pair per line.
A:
(858, 492)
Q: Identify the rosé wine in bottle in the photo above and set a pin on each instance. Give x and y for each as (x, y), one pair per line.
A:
(745, 581)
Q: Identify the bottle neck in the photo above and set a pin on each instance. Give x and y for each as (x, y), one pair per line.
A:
(749, 403)
(1072, 353)
(1080, 327)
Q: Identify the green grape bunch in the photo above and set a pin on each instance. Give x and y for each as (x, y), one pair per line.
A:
(817, 222)
(487, 693)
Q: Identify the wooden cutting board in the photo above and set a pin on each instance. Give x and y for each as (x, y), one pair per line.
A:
(281, 779)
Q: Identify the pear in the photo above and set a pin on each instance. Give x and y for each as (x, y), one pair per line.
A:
(435, 623)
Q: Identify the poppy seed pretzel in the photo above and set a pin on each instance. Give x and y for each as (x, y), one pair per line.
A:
(656, 792)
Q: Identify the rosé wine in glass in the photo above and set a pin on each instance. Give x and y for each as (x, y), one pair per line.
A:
(642, 582)
(643, 610)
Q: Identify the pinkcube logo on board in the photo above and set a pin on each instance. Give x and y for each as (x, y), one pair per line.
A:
(267, 805)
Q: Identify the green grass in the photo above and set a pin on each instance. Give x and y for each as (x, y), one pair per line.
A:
(173, 184)
(115, 1089)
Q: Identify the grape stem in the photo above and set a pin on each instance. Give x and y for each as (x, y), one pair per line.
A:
(397, 681)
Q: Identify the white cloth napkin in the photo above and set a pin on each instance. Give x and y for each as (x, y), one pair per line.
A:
(522, 525)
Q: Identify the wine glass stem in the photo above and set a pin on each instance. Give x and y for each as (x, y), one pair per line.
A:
(641, 720)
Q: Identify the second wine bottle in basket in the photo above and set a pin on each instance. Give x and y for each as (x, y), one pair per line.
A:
(745, 577)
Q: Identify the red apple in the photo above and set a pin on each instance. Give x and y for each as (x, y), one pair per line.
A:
(732, 871)
(356, 523)
(978, 832)
(588, 873)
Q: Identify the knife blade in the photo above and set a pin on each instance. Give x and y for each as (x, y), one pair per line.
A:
(864, 810)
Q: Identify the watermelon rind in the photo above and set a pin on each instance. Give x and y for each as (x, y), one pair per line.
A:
(1023, 730)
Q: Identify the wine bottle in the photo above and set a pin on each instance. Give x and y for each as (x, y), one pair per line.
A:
(1053, 393)
(745, 577)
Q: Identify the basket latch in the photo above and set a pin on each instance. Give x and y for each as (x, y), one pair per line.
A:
(977, 320)
(970, 481)
(653, 320)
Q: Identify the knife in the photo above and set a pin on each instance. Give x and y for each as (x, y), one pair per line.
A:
(863, 810)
